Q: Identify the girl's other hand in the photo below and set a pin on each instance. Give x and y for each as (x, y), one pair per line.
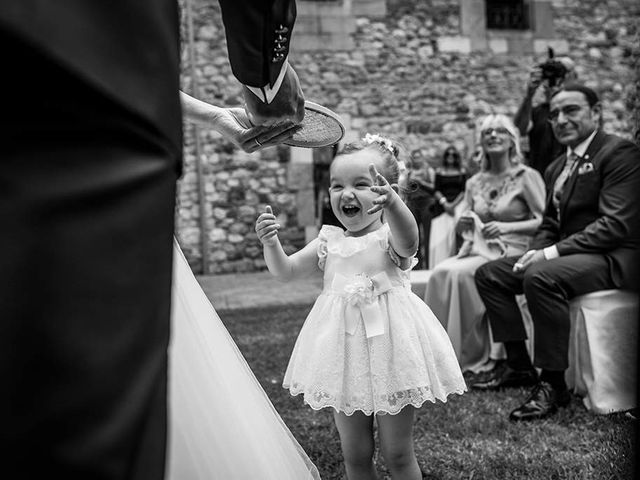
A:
(386, 194)
(267, 227)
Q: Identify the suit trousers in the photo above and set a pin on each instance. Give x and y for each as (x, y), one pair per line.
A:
(422, 210)
(548, 286)
(87, 192)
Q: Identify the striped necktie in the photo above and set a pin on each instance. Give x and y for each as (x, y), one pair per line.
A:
(569, 166)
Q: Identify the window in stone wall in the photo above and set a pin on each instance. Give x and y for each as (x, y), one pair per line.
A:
(507, 14)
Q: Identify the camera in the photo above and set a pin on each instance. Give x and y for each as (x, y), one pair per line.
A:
(552, 70)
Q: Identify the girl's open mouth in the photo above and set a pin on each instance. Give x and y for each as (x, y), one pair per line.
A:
(350, 210)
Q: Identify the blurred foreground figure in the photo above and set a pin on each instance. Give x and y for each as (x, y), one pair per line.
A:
(92, 138)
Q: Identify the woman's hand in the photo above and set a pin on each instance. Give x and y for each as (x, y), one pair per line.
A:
(267, 228)
(493, 229)
(387, 195)
(234, 125)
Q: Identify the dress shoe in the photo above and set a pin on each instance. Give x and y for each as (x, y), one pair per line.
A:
(543, 401)
(507, 377)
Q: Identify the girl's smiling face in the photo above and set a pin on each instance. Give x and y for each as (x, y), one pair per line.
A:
(350, 193)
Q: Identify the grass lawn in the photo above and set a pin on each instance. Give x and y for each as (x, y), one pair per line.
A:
(469, 437)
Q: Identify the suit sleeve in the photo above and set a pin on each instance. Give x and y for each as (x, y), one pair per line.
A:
(258, 35)
(618, 202)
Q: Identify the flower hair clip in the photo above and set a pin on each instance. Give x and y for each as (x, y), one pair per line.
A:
(384, 142)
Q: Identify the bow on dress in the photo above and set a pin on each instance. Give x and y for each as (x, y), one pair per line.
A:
(363, 301)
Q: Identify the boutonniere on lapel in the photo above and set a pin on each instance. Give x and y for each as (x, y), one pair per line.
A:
(586, 167)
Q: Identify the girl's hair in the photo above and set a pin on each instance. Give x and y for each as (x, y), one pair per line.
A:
(500, 120)
(388, 150)
(453, 152)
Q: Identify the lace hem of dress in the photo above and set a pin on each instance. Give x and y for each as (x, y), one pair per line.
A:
(389, 404)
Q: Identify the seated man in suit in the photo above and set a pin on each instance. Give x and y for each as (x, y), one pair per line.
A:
(589, 240)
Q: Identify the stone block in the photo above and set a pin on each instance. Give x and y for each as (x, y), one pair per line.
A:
(337, 24)
(323, 26)
(369, 8)
(303, 42)
(499, 45)
(560, 46)
(316, 9)
(522, 43)
(454, 44)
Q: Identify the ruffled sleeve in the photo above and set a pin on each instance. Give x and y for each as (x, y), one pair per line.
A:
(403, 263)
(326, 232)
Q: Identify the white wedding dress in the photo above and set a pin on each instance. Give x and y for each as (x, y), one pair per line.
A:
(222, 425)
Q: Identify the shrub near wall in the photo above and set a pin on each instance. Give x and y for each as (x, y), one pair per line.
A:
(395, 82)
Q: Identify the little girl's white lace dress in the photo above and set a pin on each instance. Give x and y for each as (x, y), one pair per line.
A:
(222, 425)
(369, 343)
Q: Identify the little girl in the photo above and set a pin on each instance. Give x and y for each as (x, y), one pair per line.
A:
(369, 347)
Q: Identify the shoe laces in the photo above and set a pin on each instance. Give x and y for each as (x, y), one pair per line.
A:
(542, 389)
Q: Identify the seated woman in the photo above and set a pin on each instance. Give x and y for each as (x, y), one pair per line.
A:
(504, 202)
(449, 193)
(417, 183)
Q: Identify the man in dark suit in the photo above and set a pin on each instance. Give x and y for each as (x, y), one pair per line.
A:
(91, 133)
(589, 240)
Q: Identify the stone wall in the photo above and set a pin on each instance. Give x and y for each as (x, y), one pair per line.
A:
(395, 81)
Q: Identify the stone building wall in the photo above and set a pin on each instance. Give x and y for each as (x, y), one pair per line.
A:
(395, 81)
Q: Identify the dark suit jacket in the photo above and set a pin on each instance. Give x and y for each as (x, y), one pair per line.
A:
(92, 138)
(128, 50)
(92, 143)
(258, 37)
(598, 208)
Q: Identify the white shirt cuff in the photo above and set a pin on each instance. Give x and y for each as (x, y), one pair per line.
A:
(267, 93)
(550, 252)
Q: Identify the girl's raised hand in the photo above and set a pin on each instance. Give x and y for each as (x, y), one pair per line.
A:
(267, 227)
(387, 195)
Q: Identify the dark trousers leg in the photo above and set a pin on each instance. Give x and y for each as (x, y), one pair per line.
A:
(425, 223)
(422, 213)
(498, 285)
(548, 287)
(86, 207)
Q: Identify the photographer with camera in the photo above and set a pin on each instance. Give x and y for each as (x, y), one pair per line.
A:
(533, 120)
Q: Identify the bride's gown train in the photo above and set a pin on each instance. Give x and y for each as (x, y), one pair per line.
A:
(222, 425)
